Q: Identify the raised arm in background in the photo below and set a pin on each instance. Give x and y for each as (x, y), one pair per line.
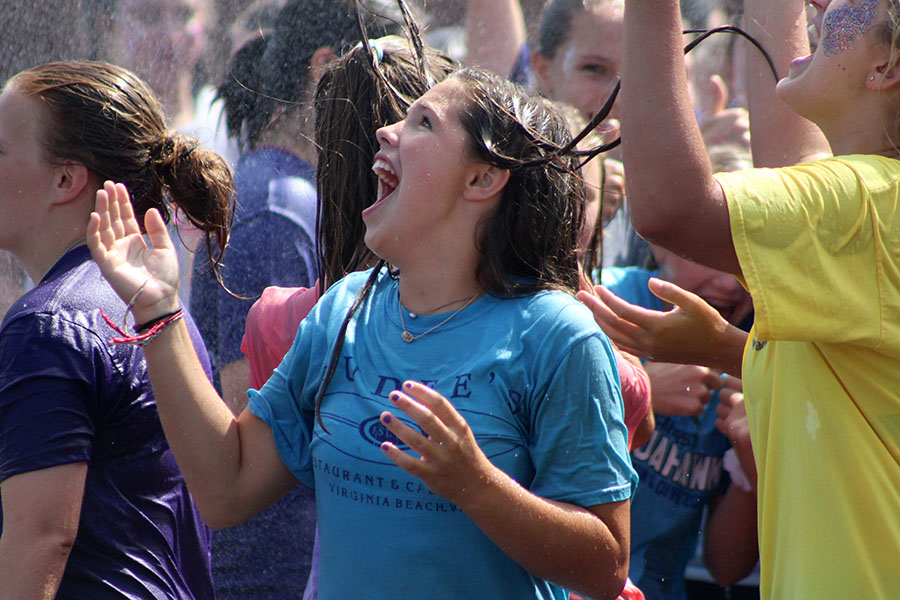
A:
(779, 136)
(495, 34)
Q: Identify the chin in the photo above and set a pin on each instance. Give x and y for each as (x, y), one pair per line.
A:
(789, 91)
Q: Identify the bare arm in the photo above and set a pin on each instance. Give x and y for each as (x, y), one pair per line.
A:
(730, 548)
(231, 465)
(584, 549)
(779, 136)
(495, 33)
(235, 379)
(671, 191)
(40, 521)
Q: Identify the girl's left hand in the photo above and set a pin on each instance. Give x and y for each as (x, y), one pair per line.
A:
(451, 464)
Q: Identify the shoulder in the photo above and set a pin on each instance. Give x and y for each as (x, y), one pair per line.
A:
(550, 319)
(338, 298)
(274, 181)
(837, 174)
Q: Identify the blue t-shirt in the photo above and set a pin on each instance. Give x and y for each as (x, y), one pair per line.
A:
(534, 377)
(272, 243)
(681, 471)
(67, 395)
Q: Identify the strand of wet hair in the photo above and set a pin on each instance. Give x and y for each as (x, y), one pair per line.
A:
(417, 48)
(339, 344)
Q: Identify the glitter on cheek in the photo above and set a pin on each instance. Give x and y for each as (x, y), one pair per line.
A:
(843, 26)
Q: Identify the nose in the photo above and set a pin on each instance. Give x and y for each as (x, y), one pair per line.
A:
(387, 135)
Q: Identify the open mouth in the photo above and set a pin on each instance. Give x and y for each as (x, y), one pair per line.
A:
(387, 178)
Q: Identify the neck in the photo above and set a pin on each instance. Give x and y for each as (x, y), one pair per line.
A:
(440, 290)
(39, 261)
(293, 132)
(854, 135)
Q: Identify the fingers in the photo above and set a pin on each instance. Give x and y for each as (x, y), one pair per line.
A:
(429, 410)
(618, 330)
(157, 230)
(630, 327)
(115, 214)
(129, 221)
(712, 379)
(671, 293)
(102, 230)
(718, 94)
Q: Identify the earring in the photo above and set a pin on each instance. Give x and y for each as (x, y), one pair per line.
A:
(871, 78)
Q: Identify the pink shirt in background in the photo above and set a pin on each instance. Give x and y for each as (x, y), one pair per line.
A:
(272, 326)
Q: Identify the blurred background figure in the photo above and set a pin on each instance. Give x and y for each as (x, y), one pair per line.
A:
(35, 33)
(162, 41)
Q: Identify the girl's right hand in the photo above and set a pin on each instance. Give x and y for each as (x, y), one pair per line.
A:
(146, 276)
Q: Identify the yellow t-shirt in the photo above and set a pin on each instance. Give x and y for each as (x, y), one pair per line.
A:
(819, 247)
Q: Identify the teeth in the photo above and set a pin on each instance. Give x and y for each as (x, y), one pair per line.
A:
(383, 165)
(386, 175)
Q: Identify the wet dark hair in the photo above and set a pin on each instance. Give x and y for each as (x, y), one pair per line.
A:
(105, 118)
(353, 100)
(529, 243)
(270, 73)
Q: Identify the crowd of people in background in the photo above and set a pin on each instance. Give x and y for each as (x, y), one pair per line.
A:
(450, 299)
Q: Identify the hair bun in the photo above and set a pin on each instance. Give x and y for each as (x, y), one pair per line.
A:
(161, 152)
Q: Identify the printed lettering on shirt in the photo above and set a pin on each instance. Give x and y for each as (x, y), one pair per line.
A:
(351, 412)
(664, 457)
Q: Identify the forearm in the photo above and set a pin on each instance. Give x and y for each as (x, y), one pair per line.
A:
(495, 33)
(778, 136)
(33, 567)
(199, 427)
(566, 544)
(730, 549)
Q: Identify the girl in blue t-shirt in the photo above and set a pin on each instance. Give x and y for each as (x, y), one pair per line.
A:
(458, 414)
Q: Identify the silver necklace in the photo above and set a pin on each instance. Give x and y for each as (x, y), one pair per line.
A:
(410, 338)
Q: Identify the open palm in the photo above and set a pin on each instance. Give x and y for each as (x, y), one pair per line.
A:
(146, 275)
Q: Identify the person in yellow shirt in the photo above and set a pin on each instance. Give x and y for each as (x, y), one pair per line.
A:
(818, 246)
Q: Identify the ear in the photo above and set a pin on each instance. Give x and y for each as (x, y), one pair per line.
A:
(884, 76)
(69, 181)
(540, 65)
(320, 60)
(485, 182)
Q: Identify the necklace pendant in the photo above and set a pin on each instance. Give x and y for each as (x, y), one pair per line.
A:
(407, 337)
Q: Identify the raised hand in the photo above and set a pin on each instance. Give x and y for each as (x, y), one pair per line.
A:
(692, 333)
(146, 276)
(451, 464)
